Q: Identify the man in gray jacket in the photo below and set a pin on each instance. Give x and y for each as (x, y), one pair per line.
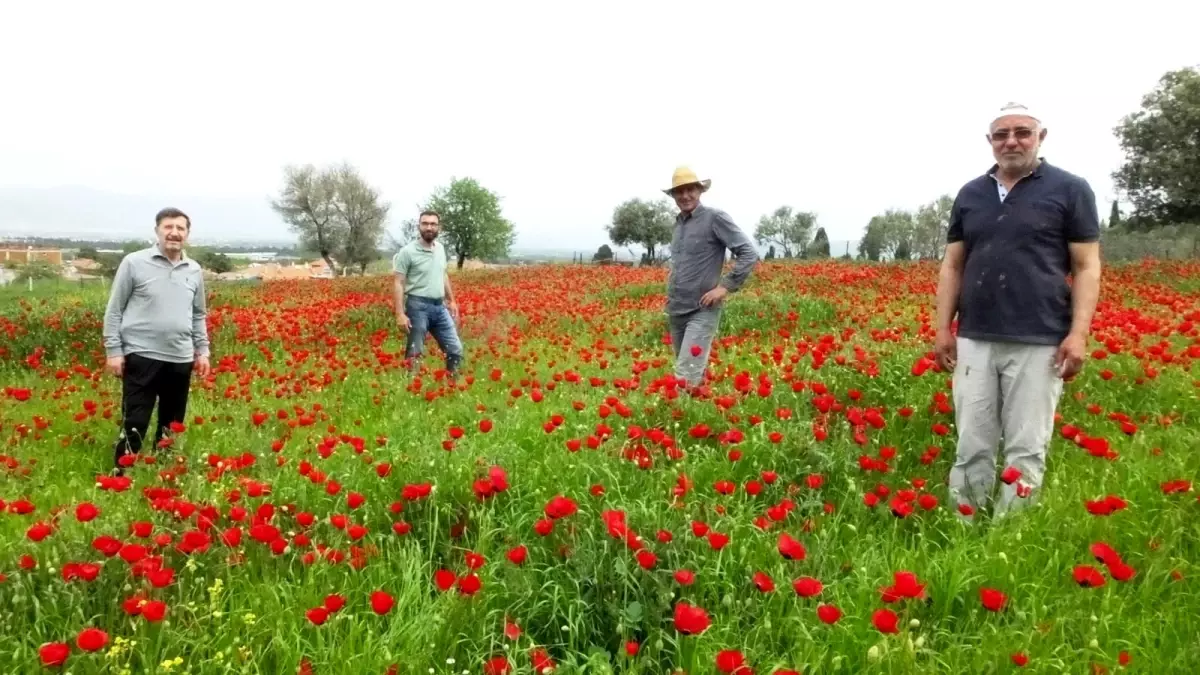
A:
(155, 334)
(695, 290)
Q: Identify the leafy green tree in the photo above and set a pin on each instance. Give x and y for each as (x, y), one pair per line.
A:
(472, 225)
(932, 222)
(820, 244)
(1114, 217)
(790, 232)
(605, 252)
(1161, 172)
(646, 223)
(210, 260)
(886, 233)
(37, 270)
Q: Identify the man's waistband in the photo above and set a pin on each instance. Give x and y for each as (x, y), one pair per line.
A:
(432, 301)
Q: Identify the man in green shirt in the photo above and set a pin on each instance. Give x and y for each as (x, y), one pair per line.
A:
(424, 298)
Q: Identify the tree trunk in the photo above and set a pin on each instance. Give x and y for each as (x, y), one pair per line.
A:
(462, 257)
(329, 261)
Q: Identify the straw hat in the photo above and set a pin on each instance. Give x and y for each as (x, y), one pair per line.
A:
(685, 176)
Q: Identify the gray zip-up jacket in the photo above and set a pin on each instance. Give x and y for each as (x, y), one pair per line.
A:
(157, 308)
(698, 254)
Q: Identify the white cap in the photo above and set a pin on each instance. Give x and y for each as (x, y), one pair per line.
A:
(1012, 108)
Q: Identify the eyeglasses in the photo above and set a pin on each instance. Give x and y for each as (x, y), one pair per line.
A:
(1020, 133)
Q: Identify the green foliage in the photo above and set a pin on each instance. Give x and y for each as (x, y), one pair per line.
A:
(210, 260)
(791, 232)
(646, 223)
(605, 252)
(328, 364)
(472, 225)
(1168, 242)
(109, 262)
(820, 245)
(886, 233)
(931, 223)
(37, 270)
(1161, 173)
(1114, 218)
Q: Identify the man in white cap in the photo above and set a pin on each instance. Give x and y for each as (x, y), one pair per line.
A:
(696, 289)
(1015, 234)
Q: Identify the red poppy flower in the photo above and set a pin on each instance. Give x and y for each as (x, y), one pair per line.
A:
(445, 579)
(790, 548)
(828, 614)
(91, 639)
(690, 619)
(885, 621)
(54, 654)
(992, 599)
(1088, 576)
(763, 582)
(732, 661)
(807, 587)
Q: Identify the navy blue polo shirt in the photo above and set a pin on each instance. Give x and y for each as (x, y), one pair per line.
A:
(1014, 284)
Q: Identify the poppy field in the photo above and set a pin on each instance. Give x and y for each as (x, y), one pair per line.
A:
(564, 506)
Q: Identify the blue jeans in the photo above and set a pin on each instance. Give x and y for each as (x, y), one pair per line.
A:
(432, 317)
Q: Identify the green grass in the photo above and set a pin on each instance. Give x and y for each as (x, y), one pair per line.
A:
(581, 594)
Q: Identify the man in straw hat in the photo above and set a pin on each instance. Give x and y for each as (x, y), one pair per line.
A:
(1015, 234)
(696, 289)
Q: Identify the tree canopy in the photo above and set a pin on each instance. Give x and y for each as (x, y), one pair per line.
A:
(646, 223)
(472, 225)
(334, 212)
(789, 232)
(1161, 172)
(820, 244)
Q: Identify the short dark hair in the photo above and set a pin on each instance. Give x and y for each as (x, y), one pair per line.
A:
(171, 212)
(430, 212)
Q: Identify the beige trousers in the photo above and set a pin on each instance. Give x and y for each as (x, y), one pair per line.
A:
(697, 328)
(1003, 391)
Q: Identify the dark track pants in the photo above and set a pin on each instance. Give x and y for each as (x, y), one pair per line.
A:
(145, 382)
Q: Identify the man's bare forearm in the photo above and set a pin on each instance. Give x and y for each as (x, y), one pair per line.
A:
(449, 291)
(398, 295)
(1085, 292)
(949, 282)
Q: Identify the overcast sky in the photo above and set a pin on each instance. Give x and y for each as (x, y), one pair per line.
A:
(565, 109)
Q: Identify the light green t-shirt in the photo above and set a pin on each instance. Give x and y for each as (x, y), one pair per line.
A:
(423, 269)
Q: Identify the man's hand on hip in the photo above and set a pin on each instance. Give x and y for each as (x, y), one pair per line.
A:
(116, 365)
(714, 297)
